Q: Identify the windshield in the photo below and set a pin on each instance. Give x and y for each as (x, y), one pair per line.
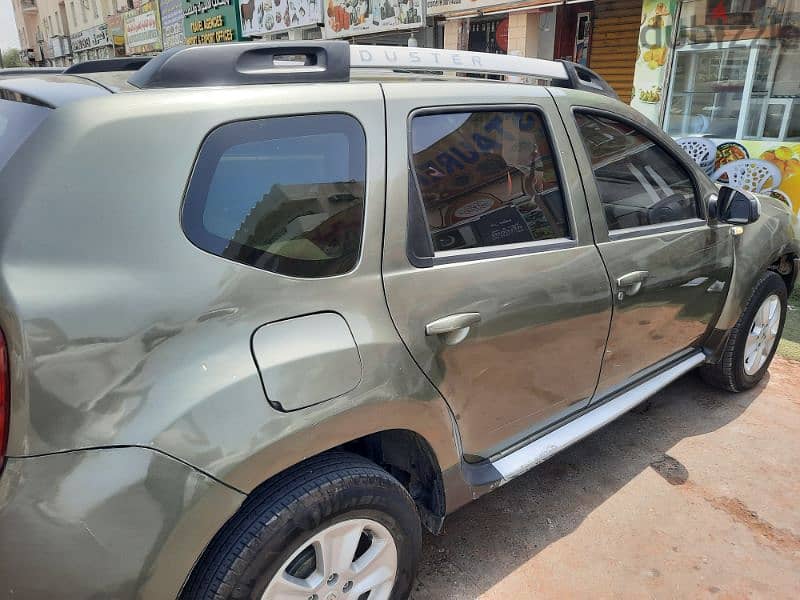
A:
(17, 121)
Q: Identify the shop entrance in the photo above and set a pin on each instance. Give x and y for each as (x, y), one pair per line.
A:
(489, 35)
(574, 32)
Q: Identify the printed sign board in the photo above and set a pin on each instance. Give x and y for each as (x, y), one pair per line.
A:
(259, 17)
(210, 21)
(345, 18)
(142, 28)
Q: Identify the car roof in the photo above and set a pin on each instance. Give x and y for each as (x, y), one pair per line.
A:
(52, 90)
(24, 71)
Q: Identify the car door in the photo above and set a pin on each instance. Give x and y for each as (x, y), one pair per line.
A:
(490, 271)
(668, 266)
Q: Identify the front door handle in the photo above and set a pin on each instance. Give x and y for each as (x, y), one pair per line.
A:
(453, 328)
(631, 283)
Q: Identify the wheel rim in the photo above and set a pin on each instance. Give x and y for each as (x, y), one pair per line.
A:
(762, 335)
(353, 559)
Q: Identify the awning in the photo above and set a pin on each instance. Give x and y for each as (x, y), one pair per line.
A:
(471, 8)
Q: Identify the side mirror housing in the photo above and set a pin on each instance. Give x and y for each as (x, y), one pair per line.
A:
(734, 206)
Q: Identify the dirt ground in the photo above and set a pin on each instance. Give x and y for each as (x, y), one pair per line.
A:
(695, 497)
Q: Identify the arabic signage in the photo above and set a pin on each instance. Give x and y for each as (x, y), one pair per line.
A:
(172, 22)
(345, 18)
(271, 16)
(210, 21)
(143, 29)
(90, 38)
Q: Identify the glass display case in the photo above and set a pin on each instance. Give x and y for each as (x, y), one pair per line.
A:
(726, 90)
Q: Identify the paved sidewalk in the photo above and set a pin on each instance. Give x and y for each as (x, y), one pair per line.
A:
(697, 497)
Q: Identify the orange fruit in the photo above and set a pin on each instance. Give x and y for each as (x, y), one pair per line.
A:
(791, 185)
(784, 153)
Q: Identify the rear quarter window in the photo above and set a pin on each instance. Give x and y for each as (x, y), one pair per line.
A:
(284, 194)
(18, 120)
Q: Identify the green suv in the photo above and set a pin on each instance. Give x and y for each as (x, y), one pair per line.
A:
(269, 310)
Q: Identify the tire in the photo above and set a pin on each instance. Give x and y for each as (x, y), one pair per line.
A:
(734, 372)
(319, 497)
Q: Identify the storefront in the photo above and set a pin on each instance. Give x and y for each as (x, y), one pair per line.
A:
(60, 51)
(91, 44)
(116, 31)
(525, 28)
(723, 77)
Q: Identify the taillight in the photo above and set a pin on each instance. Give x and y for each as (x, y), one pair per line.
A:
(5, 400)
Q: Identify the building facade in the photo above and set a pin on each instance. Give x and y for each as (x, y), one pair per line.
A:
(43, 31)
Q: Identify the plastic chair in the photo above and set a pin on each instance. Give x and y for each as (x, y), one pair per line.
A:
(750, 174)
(702, 150)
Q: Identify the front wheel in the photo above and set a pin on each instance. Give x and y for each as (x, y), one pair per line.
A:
(334, 527)
(753, 340)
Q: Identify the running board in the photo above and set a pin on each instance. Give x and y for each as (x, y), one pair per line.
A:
(504, 469)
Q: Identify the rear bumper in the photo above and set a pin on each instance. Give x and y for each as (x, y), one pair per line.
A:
(109, 523)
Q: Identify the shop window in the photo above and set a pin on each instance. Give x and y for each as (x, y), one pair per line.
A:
(487, 178)
(737, 71)
(639, 182)
(282, 194)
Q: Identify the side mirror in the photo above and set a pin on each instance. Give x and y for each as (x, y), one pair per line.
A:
(734, 206)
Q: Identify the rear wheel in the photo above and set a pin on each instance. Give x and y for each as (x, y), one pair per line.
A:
(334, 527)
(754, 339)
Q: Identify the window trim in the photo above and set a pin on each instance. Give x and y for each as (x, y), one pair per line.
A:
(419, 228)
(197, 235)
(642, 230)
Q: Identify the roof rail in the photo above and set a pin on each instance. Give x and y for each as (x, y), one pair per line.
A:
(241, 63)
(107, 65)
(325, 61)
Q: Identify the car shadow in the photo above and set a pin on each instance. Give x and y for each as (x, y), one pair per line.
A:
(490, 538)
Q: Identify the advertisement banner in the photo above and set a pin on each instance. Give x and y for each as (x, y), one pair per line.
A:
(211, 21)
(271, 16)
(172, 22)
(142, 28)
(90, 38)
(345, 18)
(116, 31)
(653, 56)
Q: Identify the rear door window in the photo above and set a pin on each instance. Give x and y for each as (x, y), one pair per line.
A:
(284, 194)
(18, 120)
(487, 178)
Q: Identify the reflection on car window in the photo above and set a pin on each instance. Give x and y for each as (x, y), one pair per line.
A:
(18, 120)
(282, 194)
(639, 182)
(487, 178)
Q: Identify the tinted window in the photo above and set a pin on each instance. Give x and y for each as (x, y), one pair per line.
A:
(487, 178)
(639, 182)
(17, 121)
(282, 194)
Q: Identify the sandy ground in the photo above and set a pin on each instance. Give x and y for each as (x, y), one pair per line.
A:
(695, 497)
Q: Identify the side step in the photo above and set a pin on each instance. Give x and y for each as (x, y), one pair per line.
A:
(497, 472)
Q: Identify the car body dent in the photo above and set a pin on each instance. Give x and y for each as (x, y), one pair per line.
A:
(134, 518)
(177, 373)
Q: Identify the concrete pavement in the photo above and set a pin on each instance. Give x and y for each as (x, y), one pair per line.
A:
(696, 497)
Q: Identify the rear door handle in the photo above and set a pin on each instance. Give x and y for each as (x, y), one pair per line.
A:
(631, 283)
(453, 328)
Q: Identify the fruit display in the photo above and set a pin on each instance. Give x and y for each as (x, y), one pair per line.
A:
(655, 57)
(786, 158)
(651, 96)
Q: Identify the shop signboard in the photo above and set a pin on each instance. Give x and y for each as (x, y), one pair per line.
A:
(653, 56)
(56, 47)
(116, 31)
(211, 21)
(260, 17)
(172, 22)
(345, 18)
(142, 27)
(90, 38)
